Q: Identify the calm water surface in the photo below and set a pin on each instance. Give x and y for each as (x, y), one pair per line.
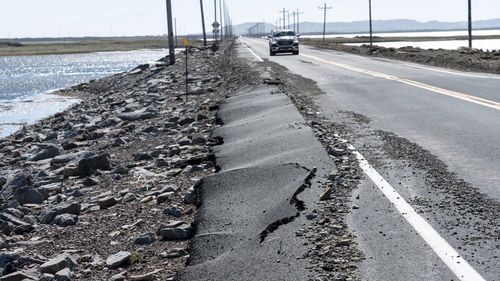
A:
(487, 44)
(25, 81)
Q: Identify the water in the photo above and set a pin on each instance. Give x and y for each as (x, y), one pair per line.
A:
(489, 44)
(485, 44)
(26, 81)
(412, 34)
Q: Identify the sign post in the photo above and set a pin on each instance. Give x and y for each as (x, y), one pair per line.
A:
(186, 45)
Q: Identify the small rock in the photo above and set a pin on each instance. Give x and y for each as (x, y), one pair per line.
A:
(145, 239)
(17, 276)
(65, 220)
(63, 275)
(46, 151)
(123, 276)
(136, 115)
(181, 232)
(311, 216)
(185, 120)
(46, 277)
(190, 196)
(174, 253)
(107, 202)
(118, 260)
(344, 242)
(69, 208)
(56, 264)
(88, 182)
(326, 194)
(173, 211)
(162, 198)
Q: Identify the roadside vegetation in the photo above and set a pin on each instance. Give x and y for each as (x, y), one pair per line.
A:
(78, 46)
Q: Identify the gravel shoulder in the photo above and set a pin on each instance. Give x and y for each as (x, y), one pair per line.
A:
(105, 190)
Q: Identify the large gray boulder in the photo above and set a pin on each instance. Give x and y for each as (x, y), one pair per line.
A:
(28, 195)
(14, 182)
(88, 165)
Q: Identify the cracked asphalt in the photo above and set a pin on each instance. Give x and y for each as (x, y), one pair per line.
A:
(272, 169)
(439, 152)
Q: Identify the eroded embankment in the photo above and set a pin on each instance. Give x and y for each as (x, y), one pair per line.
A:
(106, 188)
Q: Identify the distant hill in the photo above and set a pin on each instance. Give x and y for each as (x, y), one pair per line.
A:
(378, 26)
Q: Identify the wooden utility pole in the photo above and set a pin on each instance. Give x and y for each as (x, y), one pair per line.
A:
(294, 22)
(203, 24)
(221, 22)
(298, 20)
(171, 48)
(325, 8)
(215, 33)
(470, 24)
(176, 36)
(371, 27)
(289, 25)
(284, 18)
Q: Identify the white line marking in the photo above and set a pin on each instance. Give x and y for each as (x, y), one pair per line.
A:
(458, 265)
(451, 72)
(439, 245)
(250, 50)
(457, 95)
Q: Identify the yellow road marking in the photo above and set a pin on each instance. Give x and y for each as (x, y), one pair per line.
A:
(454, 94)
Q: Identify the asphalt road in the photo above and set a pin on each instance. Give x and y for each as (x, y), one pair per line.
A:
(453, 115)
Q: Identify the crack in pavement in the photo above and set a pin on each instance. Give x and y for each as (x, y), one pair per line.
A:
(294, 201)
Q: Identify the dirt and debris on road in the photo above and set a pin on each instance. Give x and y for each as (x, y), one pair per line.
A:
(334, 252)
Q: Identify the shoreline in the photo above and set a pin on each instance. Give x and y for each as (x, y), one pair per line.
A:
(464, 59)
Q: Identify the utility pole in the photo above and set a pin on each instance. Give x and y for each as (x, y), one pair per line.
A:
(171, 48)
(203, 24)
(215, 30)
(289, 25)
(294, 22)
(371, 27)
(221, 21)
(325, 8)
(470, 24)
(284, 18)
(176, 37)
(298, 20)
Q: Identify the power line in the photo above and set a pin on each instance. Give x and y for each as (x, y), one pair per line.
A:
(325, 8)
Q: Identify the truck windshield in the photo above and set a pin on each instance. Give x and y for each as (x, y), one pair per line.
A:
(284, 33)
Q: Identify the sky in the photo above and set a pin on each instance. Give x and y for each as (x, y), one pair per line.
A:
(61, 18)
